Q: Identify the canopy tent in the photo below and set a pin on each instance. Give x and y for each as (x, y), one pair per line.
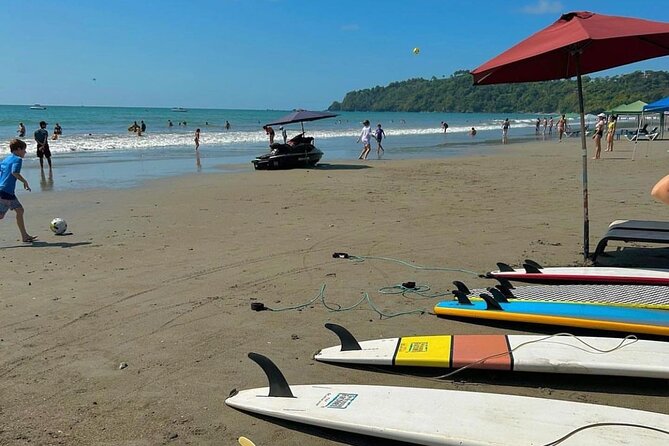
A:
(657, 106)
(660, 106)
(635, 108)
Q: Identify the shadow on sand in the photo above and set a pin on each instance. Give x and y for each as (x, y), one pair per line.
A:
(326, 166)
(43, 244)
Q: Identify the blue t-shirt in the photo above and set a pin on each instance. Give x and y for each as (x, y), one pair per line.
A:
(11, 164)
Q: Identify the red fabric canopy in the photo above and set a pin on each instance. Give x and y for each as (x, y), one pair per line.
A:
(604, 42)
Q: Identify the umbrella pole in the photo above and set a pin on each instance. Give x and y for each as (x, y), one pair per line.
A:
(638, 129)
(586, 217)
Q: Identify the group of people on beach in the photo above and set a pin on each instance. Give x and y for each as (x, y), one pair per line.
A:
(610, 127)
(10, 172)
(365, 137)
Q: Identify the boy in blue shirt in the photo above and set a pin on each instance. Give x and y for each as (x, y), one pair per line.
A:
(10, 171)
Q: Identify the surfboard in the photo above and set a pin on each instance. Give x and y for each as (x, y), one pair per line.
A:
(523, 353)
(646, 296)
(535, 273)
(568, 314)
(448, 417)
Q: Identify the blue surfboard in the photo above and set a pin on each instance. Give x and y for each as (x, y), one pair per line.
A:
(595, 316)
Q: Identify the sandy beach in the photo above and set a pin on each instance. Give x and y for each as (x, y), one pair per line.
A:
(162, 277)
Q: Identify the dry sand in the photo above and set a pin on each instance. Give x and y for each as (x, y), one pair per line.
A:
(162, 277)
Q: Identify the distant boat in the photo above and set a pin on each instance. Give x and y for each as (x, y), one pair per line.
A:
(37, 107)
(179, 109)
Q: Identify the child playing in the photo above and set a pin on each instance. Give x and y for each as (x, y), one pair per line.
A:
(379, 135)
(10, 171)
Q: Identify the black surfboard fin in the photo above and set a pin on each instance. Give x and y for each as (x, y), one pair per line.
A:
(491, 304)
(462, 297)
(506, 291)
(505, 283)
(504, 268)
(498, 295)
(347, 340)
(533, 263)
(278, 386)
(461, 287)
(531, 269)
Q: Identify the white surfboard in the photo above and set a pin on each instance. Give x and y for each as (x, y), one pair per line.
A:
(535, 273)
(523, 353)
(448, 417)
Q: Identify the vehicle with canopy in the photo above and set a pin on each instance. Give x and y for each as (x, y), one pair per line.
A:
(299, 151)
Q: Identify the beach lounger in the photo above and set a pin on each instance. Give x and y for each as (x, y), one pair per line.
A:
(642, 136)
(634, 231)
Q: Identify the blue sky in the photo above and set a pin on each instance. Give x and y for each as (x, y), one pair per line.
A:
(260, 54)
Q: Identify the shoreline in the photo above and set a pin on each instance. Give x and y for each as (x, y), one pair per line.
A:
(161, 277)
(120, 170)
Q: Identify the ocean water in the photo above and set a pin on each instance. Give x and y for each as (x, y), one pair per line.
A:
(97, 150)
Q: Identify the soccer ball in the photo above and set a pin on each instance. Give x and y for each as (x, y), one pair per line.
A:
(416, 50)
(58, 226)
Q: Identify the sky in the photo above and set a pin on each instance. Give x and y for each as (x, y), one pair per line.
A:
(260, 54)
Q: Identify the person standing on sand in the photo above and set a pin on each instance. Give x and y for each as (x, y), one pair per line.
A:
(270, 132)
(599, 132)
(505, 129)
(197, 139)
(10, 171)
(561, 126)
(611, 131)
(42, 140)
(379, 134)
(365, 136)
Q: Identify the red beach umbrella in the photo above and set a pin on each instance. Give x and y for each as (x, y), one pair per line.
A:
(577, 43)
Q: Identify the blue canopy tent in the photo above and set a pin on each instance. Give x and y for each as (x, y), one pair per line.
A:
(660, 107)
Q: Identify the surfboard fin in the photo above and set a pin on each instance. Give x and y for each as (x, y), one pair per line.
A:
(278, 386)
(506, 291)
(531, 269)
(491, 304)
(461, 287)
(462, 297)
(498, 295)
(504, 268)
(533, 263)
(505, 283)
(347, 340)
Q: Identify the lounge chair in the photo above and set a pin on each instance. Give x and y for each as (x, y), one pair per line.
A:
(643, 134)
(634, 231)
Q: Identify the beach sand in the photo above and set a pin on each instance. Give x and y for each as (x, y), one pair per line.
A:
(161, 278)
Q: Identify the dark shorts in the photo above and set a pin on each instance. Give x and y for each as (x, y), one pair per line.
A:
(8, 202)
(43, 151)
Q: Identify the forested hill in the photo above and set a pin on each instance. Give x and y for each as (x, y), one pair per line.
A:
(457, 94)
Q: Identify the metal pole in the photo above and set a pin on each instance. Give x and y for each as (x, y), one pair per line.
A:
(586, 217)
